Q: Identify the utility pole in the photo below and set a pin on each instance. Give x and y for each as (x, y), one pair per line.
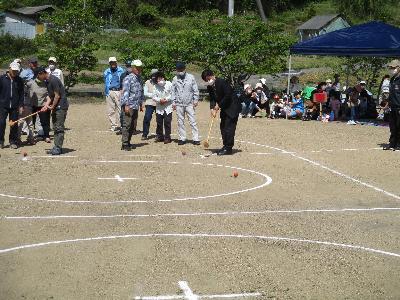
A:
(261, 10)
(231, 8)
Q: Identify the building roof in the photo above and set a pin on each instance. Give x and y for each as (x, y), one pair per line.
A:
(318, 22)
(31, 10)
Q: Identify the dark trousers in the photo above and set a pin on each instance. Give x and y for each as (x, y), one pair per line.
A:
(44, 121)
(12, 114)
(148, 115)
(394, 124)
(128, 125)
(228, 128)
(58, 118)
(165, 121)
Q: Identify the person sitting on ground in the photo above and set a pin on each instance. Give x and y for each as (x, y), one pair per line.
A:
(276, 107)
(163, 98)
(267, 93)
(247, 100)
(296, 106)
(316, 107)
(334, 105)
(260, 100)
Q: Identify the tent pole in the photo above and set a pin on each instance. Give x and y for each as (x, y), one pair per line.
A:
(288, 80)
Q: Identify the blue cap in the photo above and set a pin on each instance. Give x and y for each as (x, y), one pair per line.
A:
(180, 65)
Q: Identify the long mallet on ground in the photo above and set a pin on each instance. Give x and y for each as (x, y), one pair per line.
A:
(12, 123)
(206, 143)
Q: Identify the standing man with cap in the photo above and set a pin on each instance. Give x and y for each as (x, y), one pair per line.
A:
(131, 100)
(185, 98)
(11, 103)
(222, 97)
(58, 104)
(150, 104)
(394, 105)
(112, 90)
(53, 70)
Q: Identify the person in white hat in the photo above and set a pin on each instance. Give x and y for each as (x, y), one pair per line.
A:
(112, 90)
(394, 105)
(11, 103)
(53, 70)
(131, 101)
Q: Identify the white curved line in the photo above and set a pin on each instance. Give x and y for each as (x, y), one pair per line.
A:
(201, 235)
(224, 213)
(293, 154)
(267, 181)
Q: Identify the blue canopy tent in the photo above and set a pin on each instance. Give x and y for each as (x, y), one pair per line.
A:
(370, 39)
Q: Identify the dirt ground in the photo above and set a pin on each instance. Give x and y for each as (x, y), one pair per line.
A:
(313, 214)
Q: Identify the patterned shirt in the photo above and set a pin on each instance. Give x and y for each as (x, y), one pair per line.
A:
(133, 94)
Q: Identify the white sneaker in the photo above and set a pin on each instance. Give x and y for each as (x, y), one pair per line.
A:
(249, 115)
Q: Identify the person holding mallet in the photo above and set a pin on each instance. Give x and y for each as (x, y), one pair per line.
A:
(224, 99)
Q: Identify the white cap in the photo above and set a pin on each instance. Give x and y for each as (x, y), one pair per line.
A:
(112, 59)
(52, 59)
(137, 63)
(259, 85)
(246, 86)
(363, 82)
(385, 89)
(263, 80)
(17, 60)
(15, 66)
(328, 81)
(153, 71)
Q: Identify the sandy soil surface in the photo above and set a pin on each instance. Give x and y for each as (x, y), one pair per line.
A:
(118, 225)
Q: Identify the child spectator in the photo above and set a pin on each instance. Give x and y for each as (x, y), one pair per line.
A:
(296, 106)
(334, 105)
(277, 106)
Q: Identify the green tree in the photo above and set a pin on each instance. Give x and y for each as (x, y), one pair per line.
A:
(368, 69)
(70, 39)
(235, 48)
(238, 47)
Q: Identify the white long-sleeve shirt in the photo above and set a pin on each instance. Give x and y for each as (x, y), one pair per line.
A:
(163, 92)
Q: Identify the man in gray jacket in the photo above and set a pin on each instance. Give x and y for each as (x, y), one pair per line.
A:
(185, 97)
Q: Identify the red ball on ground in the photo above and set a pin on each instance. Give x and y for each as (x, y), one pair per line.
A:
(235, 174)
(24, 153)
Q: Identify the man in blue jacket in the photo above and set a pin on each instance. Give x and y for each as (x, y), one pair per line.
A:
(11, 103)
(112, 89)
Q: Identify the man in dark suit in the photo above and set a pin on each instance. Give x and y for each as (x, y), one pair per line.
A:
(222, 97)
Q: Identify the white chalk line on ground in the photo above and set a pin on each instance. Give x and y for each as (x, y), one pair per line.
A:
(317, 164)
(216, 296)
(267, 181)
(188, 294)
(225, 213)
(202, 235)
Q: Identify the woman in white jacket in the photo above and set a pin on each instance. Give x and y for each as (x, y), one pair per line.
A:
(163, 97)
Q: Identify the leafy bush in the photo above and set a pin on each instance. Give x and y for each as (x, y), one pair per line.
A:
(148, 15)
(15, 47)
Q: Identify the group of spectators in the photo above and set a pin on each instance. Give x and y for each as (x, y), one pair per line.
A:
(324, 101)
(33, 95)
